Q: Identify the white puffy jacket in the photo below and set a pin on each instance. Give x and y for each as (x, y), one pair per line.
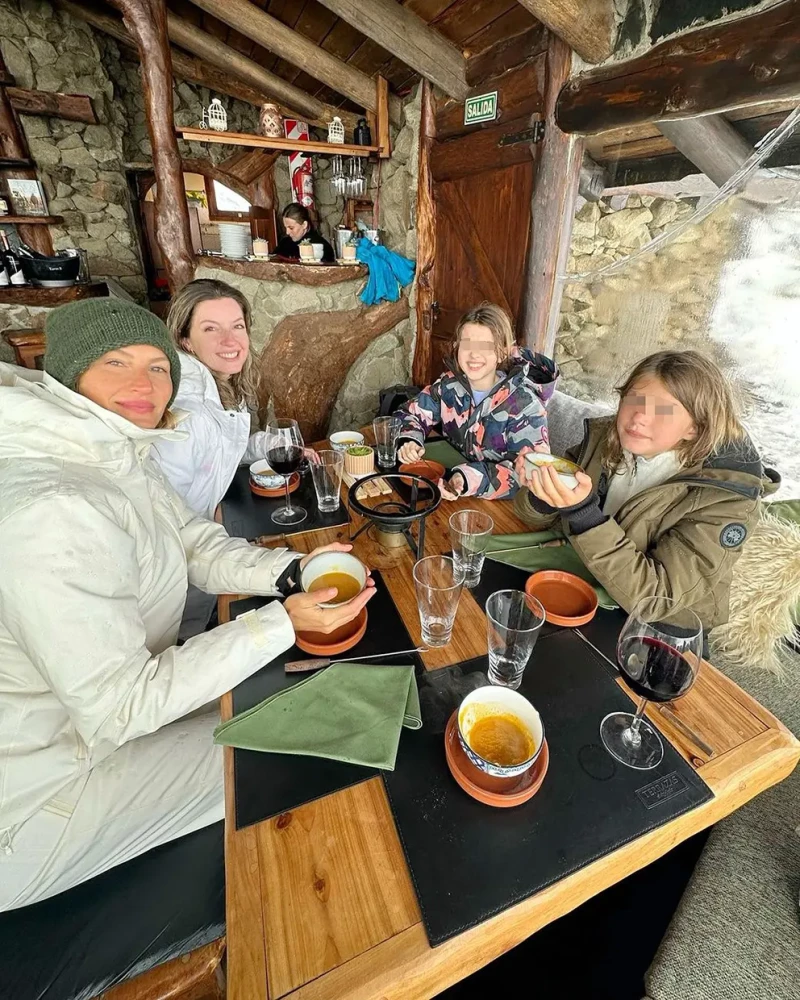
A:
(201, 466)
(95, 553)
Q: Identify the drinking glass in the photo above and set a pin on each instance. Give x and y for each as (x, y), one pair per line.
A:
(513, 622)
(326, 471)
(470, 531)
(284, 454)
(438, 582)
(387, 430)
(659, 652)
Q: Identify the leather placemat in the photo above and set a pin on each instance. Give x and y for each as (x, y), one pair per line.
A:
(469, 861)
(266, 784)
(246, 515)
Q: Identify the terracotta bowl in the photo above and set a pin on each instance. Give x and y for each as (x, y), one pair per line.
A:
(567, 599)
(427, 468)
(344, 638)
(294, 482)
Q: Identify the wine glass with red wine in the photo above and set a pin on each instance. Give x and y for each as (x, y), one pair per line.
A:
(659, 652)
(285, 454)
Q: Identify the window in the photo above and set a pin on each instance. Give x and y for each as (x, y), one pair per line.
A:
(225, 205)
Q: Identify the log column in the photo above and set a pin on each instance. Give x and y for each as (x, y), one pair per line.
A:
(426, 240)
(552, 210)
(146, 21)
(14, 146)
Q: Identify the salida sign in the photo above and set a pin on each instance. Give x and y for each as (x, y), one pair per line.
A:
(482, 108)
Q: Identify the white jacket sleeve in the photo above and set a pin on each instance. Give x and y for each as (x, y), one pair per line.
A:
(256, 448)
(191, 465)
(69, 597)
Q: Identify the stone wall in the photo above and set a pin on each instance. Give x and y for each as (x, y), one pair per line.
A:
(663, 301)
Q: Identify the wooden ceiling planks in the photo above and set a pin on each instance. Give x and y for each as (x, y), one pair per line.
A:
(466, 18)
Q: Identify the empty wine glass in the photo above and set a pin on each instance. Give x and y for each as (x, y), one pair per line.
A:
(284, 454)
(659, 652)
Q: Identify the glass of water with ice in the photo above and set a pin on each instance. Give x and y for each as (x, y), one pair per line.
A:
(438, 583)
(470, 531)
(513, 623)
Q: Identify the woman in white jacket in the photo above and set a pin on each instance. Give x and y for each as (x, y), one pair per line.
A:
(98, 760)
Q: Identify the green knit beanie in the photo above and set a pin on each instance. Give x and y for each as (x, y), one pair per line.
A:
(81, 332)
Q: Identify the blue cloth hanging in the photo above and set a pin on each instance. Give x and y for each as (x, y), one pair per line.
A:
(386, 270)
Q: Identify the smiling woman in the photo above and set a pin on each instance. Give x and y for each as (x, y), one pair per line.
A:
(132, 381)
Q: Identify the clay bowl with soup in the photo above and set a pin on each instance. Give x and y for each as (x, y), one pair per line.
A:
(564, 467)
(334, 569)
(500, 731)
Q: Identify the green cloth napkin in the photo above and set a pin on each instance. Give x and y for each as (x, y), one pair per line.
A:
(530, 550)
(442, 451)
(351, 711)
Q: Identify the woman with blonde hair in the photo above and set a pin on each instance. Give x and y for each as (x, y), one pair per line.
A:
(669, 492)
(209, 322)
(490, 403)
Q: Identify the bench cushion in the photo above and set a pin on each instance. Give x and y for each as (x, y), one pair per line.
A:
(129, 919)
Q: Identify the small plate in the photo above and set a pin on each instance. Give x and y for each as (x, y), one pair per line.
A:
(567, 600)
(333, 643)
(280, 491)
(503, 793)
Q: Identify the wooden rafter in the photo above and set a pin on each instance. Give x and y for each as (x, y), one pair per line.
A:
(408, 37)
(275, 36)
(71, 107)
(711, 143)
(587, 26)
(724, 66)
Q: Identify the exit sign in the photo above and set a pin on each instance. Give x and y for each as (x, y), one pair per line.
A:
(482, 108)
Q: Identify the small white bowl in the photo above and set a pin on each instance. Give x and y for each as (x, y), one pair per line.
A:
(263, 476)
(499, 701)
(536, 460)
(342, 440)
(333, 562)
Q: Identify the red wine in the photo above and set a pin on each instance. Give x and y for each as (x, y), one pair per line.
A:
(654, 669)
(285, 460)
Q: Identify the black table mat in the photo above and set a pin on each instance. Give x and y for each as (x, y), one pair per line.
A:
(266, 784)
(246, 515)
(469, 861)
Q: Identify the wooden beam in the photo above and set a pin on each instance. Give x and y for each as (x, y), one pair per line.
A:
(508, 53)
(248, 165)
(382, 118)
(711, 143)
(724, 66)
(587, 26)
(146, 20)
(275, 36)
(14, 147)
(183, 66)
(552, 210)
(426, 240)
(71, 107)
(409, 38)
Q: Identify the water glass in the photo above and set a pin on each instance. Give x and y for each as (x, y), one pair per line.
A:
(387, 430)
(438, 582)
(513, 622)
(326, 471)
(470, 531)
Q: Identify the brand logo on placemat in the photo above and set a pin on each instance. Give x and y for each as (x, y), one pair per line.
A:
(663, 790)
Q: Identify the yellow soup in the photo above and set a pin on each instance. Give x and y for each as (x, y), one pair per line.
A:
(501, 739)
(347, 586)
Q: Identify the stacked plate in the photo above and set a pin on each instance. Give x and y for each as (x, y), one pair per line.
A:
(234, 240)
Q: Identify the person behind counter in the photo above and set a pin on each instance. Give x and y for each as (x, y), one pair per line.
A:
(298, 225)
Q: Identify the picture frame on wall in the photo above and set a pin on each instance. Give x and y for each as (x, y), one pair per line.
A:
(27, 196)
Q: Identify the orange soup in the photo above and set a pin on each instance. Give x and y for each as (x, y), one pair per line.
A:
(501, 739)
(347, 586)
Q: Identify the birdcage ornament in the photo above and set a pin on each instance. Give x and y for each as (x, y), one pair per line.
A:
(336, 130)
(217, 116)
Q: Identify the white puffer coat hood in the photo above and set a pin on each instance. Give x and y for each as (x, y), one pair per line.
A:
(95, 554)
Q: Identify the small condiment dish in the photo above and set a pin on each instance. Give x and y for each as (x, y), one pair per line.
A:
(493, 700)
(263, 476)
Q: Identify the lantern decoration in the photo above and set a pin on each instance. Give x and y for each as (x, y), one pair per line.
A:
(336, 130)
(270, 121)
(217, 116)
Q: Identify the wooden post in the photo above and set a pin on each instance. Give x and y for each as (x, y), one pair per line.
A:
(711, 143)
(146, 20)
(552, 209)
(382, 117)
(426, 240)
(14, 146)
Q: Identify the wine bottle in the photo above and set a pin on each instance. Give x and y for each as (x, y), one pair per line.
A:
(11, 261)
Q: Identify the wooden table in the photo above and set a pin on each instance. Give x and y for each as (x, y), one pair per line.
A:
(320, 904)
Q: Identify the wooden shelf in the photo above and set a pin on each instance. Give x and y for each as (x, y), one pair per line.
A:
(29, 295)
(268, 142)
(32, 220)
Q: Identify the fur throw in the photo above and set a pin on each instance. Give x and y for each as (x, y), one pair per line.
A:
(764, 595)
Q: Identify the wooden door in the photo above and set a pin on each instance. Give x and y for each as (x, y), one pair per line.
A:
(479, 188)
